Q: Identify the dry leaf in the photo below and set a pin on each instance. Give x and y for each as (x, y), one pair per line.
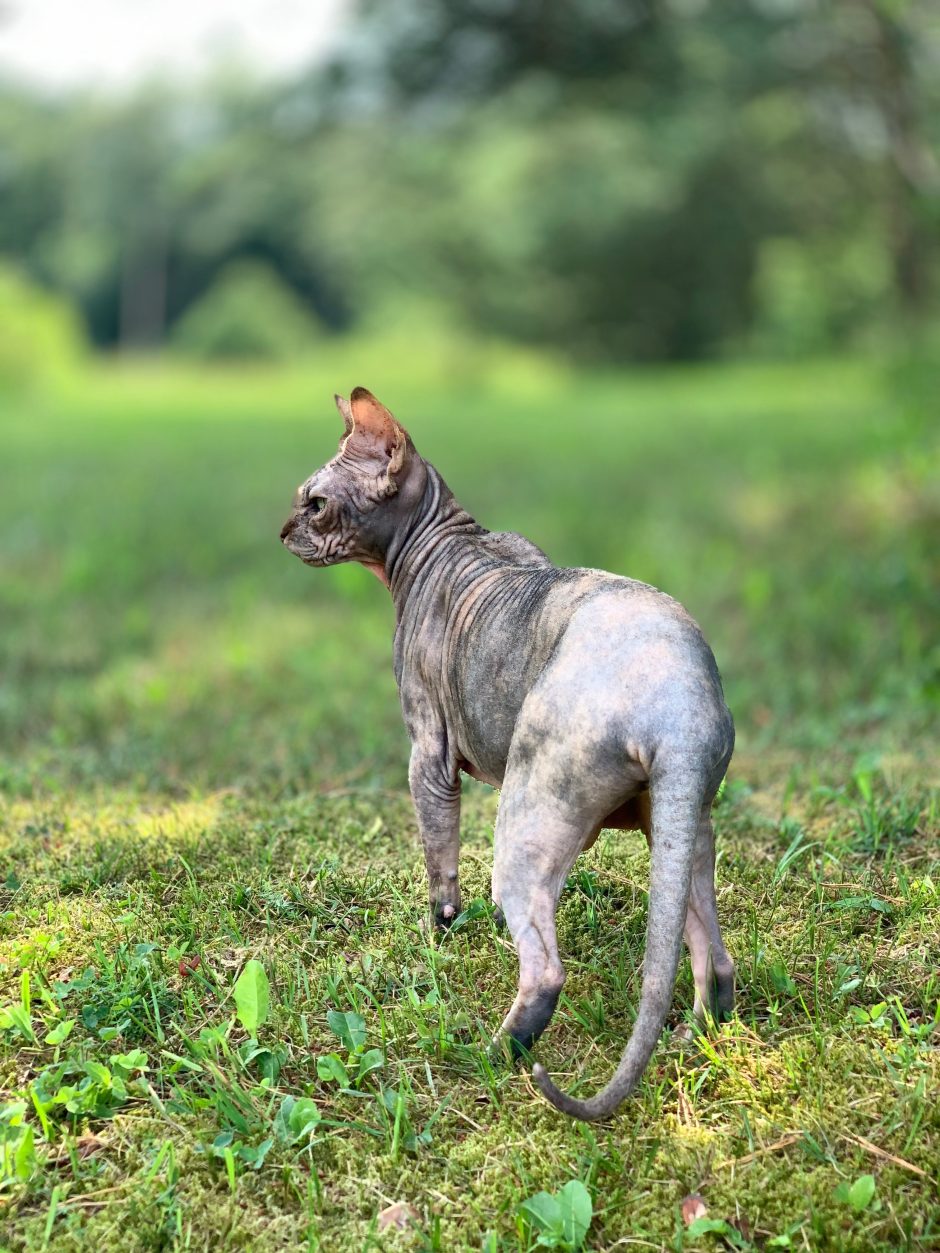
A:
(398, 1215)
(741, 1224)
(188, 964)
(693, 1207)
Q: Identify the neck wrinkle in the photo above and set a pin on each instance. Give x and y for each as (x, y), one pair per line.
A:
(435, 517)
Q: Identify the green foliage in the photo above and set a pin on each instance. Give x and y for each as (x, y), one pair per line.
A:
(60, 1032)
(657, 181)
(17, 1018)
(248, 313)
(230, 1149)
(561, 1219)
(350, 1028)
(330, 1069)
(252, 996)
(360, 1063)
(17, 1145)
(297, 1119)
(858, 1195)
(98, 1091)
(40, 336)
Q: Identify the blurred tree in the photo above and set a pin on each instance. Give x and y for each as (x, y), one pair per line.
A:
(744, 105)
(882, 41)
(638, 179)
(39, 334)
(471, 49)
(248, 313)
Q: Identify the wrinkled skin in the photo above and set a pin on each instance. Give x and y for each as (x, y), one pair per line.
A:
(589, 699)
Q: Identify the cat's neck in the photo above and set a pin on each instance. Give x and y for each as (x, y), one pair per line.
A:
(428, 534)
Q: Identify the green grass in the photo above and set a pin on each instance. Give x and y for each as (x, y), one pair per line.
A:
(203, 763)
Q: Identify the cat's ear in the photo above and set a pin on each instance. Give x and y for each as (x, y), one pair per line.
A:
(375, 433)
(345, 409)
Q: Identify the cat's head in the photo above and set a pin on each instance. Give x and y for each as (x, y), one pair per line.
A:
(350, 508)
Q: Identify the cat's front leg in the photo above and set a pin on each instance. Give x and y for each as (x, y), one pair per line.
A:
(435, 789)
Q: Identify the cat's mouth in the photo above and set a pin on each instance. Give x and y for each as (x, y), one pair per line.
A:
(293, 543)
(294, 540)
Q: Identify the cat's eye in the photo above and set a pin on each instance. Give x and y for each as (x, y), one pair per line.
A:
(316, 504)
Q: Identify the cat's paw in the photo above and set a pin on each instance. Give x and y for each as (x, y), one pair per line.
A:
(443, 913)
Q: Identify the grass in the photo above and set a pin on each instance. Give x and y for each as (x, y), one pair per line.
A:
(203, 764)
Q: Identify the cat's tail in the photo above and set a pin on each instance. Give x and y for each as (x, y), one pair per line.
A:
(677, 802)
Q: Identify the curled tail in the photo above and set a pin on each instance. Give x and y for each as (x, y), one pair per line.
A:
(676, 811)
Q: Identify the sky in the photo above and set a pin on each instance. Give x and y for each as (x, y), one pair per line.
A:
(114, 43)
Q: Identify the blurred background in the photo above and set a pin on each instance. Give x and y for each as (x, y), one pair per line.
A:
(653, 280)
(616, 180)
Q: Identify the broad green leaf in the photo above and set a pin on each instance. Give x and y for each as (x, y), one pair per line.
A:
(861, 1192)
(282, 1123)
(61, 1031)
(351, 1029)
(267, 1060)
(394, 1101)
(331, 1069)
(304, 1117)
(252, 996)
(716, 1226)
(15, 1016)
(562, 1218)
(269, 1066)
(99, 1073)
(863, 781)
(373, 1059)
(418, 1140)
(296, 1119)
(24, 1158)
(136, 1059)
(254, 1154)
(11, 1114)
(543, 1211)
(862, 902)
(476, 909)
(576, 1212)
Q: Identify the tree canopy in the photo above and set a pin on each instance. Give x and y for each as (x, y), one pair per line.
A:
(622, 179)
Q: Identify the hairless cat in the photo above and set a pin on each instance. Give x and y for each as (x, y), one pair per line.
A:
(589, 699)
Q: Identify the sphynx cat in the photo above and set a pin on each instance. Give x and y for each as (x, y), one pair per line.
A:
(589, 699)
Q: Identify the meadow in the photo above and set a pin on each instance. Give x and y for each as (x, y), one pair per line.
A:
(223, 1021)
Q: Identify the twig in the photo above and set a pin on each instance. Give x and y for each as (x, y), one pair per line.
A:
(782, 1143)
(889, 1157)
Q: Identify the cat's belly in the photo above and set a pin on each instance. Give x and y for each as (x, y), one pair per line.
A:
(484, 776)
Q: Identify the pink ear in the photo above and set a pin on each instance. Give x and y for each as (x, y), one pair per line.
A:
(368, 413)
(342, 404)
(374, 424)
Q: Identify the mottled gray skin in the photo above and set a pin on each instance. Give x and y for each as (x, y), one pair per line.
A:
(591, 700)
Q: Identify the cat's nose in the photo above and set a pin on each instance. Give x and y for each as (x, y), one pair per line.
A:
(287, 527)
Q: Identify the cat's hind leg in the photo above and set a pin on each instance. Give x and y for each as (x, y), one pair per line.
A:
(535, 847)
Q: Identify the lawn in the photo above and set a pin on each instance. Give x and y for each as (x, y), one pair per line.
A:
(202, 766)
